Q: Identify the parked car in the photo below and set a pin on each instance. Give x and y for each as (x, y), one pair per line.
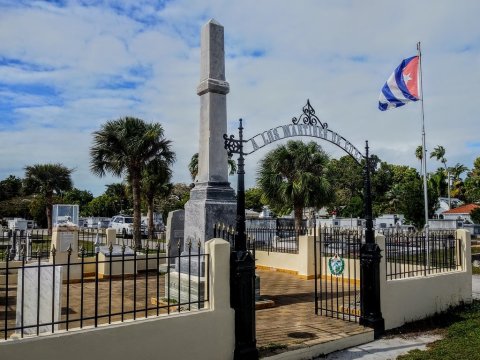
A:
(103, 224)
(123, 225)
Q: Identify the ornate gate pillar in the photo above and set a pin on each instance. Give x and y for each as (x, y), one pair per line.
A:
(371, 314)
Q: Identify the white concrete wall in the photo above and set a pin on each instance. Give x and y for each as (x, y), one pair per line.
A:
(206, 334)
(301, 264)
(414, 298)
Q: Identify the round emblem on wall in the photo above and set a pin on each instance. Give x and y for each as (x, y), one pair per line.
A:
(336, 265)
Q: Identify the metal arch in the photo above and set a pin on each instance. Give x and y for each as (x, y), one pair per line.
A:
(306, 125)
(261, 140)
(308, 117)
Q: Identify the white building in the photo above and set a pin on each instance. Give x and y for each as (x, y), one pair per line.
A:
(461, 213)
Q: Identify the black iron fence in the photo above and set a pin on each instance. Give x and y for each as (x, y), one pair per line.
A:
(270, 239)
(337, 268)
(114, 286)
(36, 243)
(421, 253)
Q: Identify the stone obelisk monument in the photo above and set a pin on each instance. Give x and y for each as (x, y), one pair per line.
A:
(212, 200)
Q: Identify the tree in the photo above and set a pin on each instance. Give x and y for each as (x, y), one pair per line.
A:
(475, 215)
(253, 199)
(124, 147)
(179, 195)
(193, 166)
(437, 182)
(79, 197)
(458, 189)
(294, 176)
(155, 181)
(10, 187)
(121, 194)
(48, 180)
(419, 155)
(408, 190)
(346, 177)
(472, 183)
(103, 205)
(439, 154)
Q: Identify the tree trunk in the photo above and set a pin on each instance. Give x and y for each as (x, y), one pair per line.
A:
(48, 210)
(298, 211)
(137, 237)
(150, 218)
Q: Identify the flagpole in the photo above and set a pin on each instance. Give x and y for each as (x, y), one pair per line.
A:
(424, 157)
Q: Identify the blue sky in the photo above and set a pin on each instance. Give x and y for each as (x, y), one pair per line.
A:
(66, 67)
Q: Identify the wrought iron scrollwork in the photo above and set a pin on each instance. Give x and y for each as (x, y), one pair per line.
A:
(232, 145)
(308, 117)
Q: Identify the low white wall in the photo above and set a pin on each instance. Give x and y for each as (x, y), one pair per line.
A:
(207, 334)
(301, 264)
(414, 298)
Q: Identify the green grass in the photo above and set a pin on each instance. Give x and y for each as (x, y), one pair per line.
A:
(475, 270)
(475, 250)
(461, 330)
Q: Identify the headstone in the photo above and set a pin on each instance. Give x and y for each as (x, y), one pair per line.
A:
(119, 268)
(63, 239)
(30, 305)
(175, 231)
(212, 200)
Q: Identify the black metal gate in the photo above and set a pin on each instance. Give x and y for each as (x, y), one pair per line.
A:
(337, 273)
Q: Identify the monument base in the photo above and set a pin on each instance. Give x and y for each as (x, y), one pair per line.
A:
(184, 289)
(210, 203)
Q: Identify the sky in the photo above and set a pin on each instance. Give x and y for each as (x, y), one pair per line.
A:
(67, 67)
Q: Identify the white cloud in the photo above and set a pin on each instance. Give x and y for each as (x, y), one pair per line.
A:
(337, 54)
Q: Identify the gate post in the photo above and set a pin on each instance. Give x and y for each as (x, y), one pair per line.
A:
(242, 267)
(371, 314)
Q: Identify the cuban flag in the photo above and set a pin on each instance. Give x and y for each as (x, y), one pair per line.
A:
(402, 86)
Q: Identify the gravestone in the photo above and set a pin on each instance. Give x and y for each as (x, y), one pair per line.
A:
(175, 231)
(30, 304)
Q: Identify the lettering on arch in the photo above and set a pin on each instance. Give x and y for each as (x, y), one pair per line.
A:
(293, 130)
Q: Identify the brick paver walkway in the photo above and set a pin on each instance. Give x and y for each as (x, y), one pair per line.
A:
(292, 323)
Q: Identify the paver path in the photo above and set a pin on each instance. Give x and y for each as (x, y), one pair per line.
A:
(292, 323)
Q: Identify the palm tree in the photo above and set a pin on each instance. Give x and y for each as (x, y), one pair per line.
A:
(47, 180)
(193, 166)
(419, 156)
(156, 178)
(439, 154)
(458, 186)
(124, 147)
(294, 176)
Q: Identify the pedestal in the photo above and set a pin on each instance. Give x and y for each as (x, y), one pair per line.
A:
(209, 204)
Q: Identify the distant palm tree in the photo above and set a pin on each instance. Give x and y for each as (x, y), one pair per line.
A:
(457, 170)
(458, 186)
(47, 180)
(419, 156)
(156, 178)
(193, 166)
(439, 154)
(292, 176)
(124, 147)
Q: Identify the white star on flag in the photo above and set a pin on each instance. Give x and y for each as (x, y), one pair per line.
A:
(407, 78)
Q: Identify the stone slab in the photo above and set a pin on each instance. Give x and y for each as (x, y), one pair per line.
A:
(49, 287)
(116, 250)
(189, 288)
